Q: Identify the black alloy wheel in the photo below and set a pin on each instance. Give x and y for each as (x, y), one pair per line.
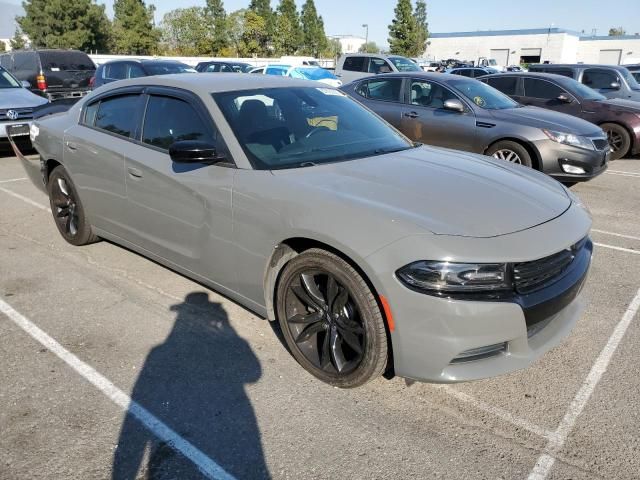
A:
(618, 138)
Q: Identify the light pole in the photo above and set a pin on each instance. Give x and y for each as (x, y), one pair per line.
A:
(366, 35)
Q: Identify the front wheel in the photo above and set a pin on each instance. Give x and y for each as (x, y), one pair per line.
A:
(331, 320)
(510, 152)
(619, 139)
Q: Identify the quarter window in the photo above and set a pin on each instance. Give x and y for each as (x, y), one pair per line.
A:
(169, 120)
(387, 90)
(536, 88)
(354, 64)
(90, 114)
(597, 79)
(118, 115)
(506, 85)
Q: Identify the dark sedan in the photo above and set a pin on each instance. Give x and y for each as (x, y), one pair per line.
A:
(620, 119)
(132, 68)
(224, 67)
(465, 114)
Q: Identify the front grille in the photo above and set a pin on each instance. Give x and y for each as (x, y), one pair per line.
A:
(23, 114)
(600, 143)
(531, 276)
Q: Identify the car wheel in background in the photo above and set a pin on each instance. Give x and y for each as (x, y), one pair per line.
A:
(331, 320)
(67, 209)
(510, 152)
(619, 139)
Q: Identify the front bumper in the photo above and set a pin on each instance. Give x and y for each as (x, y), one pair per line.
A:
(431, 332)
(554, 156)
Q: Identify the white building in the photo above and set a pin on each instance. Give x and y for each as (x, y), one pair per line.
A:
(349, 43)
(554, 45)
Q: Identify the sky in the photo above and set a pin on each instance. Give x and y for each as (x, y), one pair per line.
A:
(346, 17)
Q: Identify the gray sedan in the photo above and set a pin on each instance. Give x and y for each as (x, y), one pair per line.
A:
(372, 253)
(465, 114)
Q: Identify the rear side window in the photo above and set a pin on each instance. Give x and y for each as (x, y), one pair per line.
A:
(507, 85)
(25, 61)
(537, 88)
(5, 61)
(115, 71)
(169, 120)
(387, 90)
(354, 64)
(563, 72)
(465, 72)
(118, 115)
(66, 61)
(478, 72)
(597, 78)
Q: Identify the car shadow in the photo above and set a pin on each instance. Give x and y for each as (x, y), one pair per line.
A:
(195, 383)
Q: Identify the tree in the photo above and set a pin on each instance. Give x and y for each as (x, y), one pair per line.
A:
(403, 31)
(80, 24)
(289, 32)
(423, 27)
(369, 47)
(217, 18)
(235, 30)
(3, 46)
(254, 34)
(133, 29)
(333, 50)
(314, 40)
(617, 32)
(17, 42)
(262, 8)
(185, 32)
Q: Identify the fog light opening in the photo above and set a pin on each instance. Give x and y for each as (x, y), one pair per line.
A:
(573, 169)
(480, 353)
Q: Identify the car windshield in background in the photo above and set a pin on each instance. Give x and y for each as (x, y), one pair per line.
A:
(7, 80)
(167, 68)
(585, 92)
(311, 73)
(303, 126)
(65, 61)
(483, 95)
(404, 64)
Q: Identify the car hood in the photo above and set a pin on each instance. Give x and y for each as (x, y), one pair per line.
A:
(19, 98)
(543, 118)
(442, 191)
(618, 105)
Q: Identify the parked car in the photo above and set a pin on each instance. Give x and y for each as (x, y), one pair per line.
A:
(620, 119)
(224, 67)
(354, 239)
(17, 105)
(317, 74)
(635, 71)
(132, 68)
(353, 66)
(465, 114)
(53, 74)
(429, 66)
(472, 72)
(612, 81)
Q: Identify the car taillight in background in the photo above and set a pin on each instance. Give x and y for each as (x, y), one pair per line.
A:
(41, 82)
(92, 82)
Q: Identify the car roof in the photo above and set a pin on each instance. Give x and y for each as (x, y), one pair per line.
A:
(378, 55)
(576, 65)
(206, 84)
(417, 74)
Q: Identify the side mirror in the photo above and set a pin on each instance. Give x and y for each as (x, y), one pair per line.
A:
(564, 98)
(194, 151)
(25, 84)
(614, 86)
(454, 105)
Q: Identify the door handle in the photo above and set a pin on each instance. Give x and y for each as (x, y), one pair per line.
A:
(71, 146)
(134, 172)
(411, 115)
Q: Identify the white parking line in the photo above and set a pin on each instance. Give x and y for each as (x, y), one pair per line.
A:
(11, 180)
(620, 174)
(605, 232)
(25, 199)
(556, 442)
(205, 464)
(623, 172)
(620, 249)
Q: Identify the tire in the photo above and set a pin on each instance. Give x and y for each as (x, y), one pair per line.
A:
(347, 316)
(619, 139)
(68, 212)
(510, 151)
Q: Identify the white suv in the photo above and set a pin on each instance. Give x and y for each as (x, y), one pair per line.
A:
(353, 66)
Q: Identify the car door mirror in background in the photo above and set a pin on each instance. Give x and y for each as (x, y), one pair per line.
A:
(564, 98)
(193, 151)
(25, 84)
(614, 86)
(454, 105)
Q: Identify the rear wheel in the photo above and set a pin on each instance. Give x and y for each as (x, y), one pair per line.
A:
(67, 209)
(510, 151)
(619, 139)
(331, 320)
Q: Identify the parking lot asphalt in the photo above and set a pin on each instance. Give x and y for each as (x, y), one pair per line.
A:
(112, 366)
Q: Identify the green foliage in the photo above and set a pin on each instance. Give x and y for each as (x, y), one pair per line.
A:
(314, 40)
(333, 50)
(369, 47)
(235, 31)
(3, 46)
(617, 32)
(403, 31)
(254, 35)
(423, 27)
(185, 32)
(217, 19)
(17, 42)
(80, 24)
(134, 32)
(262, 8)
(288, 37)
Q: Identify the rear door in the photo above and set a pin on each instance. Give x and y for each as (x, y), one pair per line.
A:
(542, 93)
(66, 70)
(384, 96)
(425, 120)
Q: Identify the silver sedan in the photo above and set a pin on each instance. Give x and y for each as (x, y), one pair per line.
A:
(374, 254)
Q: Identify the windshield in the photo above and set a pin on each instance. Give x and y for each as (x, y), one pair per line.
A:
(7, 80)
(482, 94)
(167, 68)
(403, 64)
(303, 126)
(312, 73)
(582, 90)
(631, 81)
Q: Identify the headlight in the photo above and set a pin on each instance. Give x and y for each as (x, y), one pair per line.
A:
(445, 277)
(570, 139)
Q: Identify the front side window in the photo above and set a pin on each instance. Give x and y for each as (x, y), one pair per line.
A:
(118, 115)
(169, 120)
(507, 85)
(354, 64)
(428, 94)
(599, 78)
(403, 64)
(378, 65)
(387, 90)
(303, 126)
(482, 94)
(536, 88)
